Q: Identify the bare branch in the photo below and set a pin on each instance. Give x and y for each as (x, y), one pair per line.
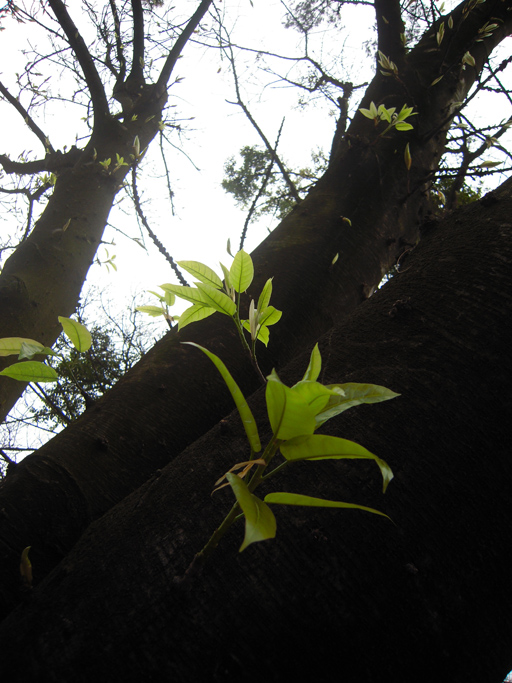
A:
(27, 118)
(159, 245)
(92, 78)
(180, 43)
(266, 178)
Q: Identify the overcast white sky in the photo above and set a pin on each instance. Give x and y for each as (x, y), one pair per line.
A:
(205, 214)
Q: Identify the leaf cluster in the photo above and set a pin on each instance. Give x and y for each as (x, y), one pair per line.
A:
(294, 413)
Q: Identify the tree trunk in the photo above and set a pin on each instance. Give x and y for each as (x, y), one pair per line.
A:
(44, 276)
(425, 597)
(172, 397)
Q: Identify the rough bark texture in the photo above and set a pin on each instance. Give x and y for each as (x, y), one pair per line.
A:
(146, 420)
(425, 598)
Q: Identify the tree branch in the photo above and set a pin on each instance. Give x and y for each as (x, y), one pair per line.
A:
(52, 162)
(27, 118)
(390, 28)
(159, 245)
(137, 71)
(77, 44)
(174, 54)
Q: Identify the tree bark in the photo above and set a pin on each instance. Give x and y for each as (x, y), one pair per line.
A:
(425, 597)
(172, 397)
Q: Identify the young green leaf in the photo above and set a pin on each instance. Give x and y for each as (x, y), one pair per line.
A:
(191, 294)
(77, 333)
(322, 447)
(403, 126)
(153, 311)
(248, 420)
(193, 314)
(264, 298)
(280, 498)
(202, 273)
(263, 332)
(269, 316)
(292, 411)
(227, 280)
(408, 157)
(314, 367)
(260, 523)
(11, 346)
(30, 371)
(352, 394)
(217, 299)
(241, 272)
(30, 349)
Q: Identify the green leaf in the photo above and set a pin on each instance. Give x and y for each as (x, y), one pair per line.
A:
(191, 294)
(314, 367)
(30, 371)
(403, 126)
(202, 273)
(292, 411)
(297, 499)
(153, 311)
(77, 333)
(248, 420)
(227, 279)
(241, 272)
(260, 523)
(352, 394)
(265, 295)
(322, 447)
(269, 316)
(263, 332)
(217, 299)
(30, 349)
(11, 346)
(193, 314)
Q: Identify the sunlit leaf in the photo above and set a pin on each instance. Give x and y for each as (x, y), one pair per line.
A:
(315, 365)
(77, 333)
(265, 295)
(11, 346)
(153, 311)
(30, 349)
(322, 447)
(217, 299)
(202, 273)
(292, 411)
(30, 371)
(193, 314)
(353, 394)
(241, 272)
(260, 523)
(191, 294)
(269, 316)
(248, 420)
(279, 498)
(403, 126)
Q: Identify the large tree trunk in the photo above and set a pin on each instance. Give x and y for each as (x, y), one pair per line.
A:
(172, 397)
(339, 593)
